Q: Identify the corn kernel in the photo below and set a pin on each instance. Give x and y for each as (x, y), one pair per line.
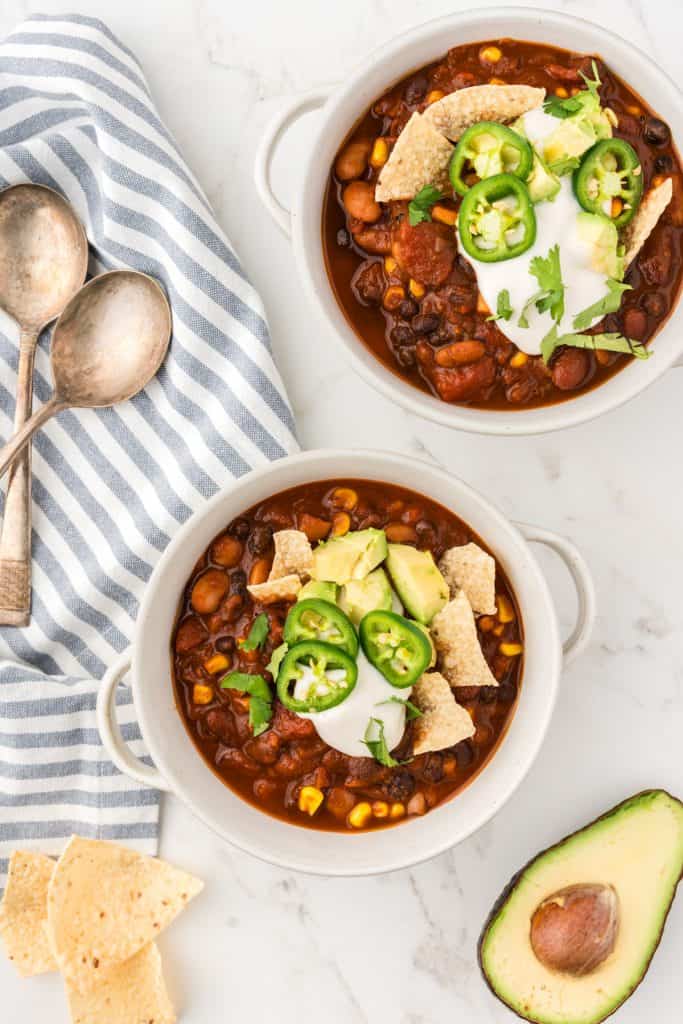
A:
(575, 90)
(616, 207)
(310, 799)
(202, 694)
(496, 81)
(519, 359)
(634, 109)
(360, 815)
(417, 290)
(561, 92)
(434, 95)
(486, 623)
(506, 613)
(511, 650)
(498, 630)
(490, 54)
(217, 663)
(482, 306)
(397, 811)
(380, 809)
(393, 297)
(344, 497)
(379, 154)
(444, 215)
(341, 524)
(390, 264)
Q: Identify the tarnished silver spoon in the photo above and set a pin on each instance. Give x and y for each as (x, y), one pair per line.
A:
(106, 346)
(43, 262)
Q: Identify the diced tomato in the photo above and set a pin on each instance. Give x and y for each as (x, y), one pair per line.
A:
(425, 252)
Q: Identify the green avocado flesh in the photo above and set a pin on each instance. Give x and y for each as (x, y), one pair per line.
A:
(417, 580)
(320, 590)
(358, 597)
(350, 557)
(638, 849)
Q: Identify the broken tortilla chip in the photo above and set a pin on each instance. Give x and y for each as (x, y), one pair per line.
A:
(23, 913)
(470, 568)
(132, 992)
(105, 902)
(457, 111)
(284, 589)
(653, 205)
(457, 643)
(444, 722)
(293, 554)
(420, 157)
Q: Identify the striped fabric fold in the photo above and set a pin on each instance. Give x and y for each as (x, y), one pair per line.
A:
(110, 487)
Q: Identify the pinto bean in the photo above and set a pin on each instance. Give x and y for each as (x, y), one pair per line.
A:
(570, 368)
(375, 238)
(459, 353)
(209, 591)
(563, 74)
(400, 533)
(339, 802)
(314, 527)
(352, 160)
(227, 551)
(359, 201)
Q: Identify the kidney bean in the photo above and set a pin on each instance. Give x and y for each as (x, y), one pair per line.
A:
(368, 284)
(191, 633)
(233, 758)
(265, 748)
(570, 368)
(352, 160)
(209, 591)
(359, 201)
(425, 323)
(221, 724)
(225, 644)
(264, 789)
(289, 726)
(463, 383)
(227, 551)
(656, 132)
(635, 323)
(239, 528)
(460, 353)
(261, 539)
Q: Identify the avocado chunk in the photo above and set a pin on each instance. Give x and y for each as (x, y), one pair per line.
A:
(603, 238)
(417, 580)
(542, 183)
(573, 934)
(319, 589)
(358, 597)
(350, 557)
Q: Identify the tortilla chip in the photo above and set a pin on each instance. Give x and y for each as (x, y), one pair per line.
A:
(293, 554)
(653, 205)
(105, 903)
(23, 913)
(457, 643)
(133, 993)
(420, 157)
(473, 570)
(444, 722)
(284, 589)
(457, 111)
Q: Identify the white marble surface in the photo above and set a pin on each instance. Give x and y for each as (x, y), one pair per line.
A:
(265, 945)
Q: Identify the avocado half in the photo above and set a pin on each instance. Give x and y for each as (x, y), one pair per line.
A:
(637, 849)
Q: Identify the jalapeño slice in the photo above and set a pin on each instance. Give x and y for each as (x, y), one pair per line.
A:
(315, 676)
(497, 220)
(315, 619)
(395, 646)
(488, 149)
(610, 181)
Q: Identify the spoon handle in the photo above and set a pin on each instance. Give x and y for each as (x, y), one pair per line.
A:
(21, 438)
(15, 539)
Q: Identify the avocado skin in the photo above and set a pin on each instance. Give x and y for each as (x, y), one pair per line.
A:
(511, 885)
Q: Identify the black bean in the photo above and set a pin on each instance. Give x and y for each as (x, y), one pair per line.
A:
(238, 582)
(260, 539)
(225, 644)
(656, 132)
(401, 785)
(406, 357)
(408, 308)
(343, 238)
(464, 753)
(416, 89)
(664, 164)
(239, 528)
(425, 323)
(402, 335)
(432, 770)
(488, 694)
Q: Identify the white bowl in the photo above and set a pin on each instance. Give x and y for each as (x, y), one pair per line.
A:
(180, 767)
(344, 106)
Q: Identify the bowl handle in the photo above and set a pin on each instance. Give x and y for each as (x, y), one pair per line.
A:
(583, 582)
(110, 732)
(264, 155)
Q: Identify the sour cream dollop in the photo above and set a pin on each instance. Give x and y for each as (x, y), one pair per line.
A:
(343, 726)
(556, 224)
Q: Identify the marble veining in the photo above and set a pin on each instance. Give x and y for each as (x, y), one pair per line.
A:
(262, 944)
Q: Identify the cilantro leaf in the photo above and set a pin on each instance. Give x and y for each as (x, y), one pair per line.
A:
(608, 304)
(412, 711)
(257, 634)
(276, 659)
(612, 342)
(378, 746)
(563, 108)
(420, 207)
(261, 702)
(503, 307)
(550, 296)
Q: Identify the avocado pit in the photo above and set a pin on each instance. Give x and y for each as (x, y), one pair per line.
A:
(575, 929)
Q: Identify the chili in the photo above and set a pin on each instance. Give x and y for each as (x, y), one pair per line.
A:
(610, 170)
(332, 675)
(489, 149)
(497, 220)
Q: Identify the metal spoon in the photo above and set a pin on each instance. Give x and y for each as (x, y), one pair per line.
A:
(43, 262)
(106, 346)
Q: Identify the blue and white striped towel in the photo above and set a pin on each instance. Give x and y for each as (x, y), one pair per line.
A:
(110, 487)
